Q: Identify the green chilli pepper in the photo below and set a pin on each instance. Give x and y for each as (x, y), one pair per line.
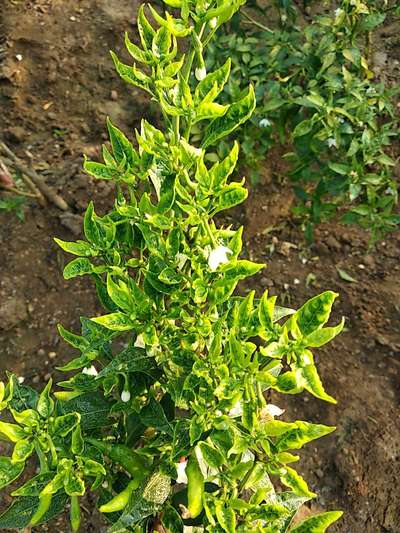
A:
(75, 514)
(134, 463)
(195, 487)
(120, 501)
(44, 505)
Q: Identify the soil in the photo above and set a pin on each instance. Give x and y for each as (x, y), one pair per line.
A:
(57, 85)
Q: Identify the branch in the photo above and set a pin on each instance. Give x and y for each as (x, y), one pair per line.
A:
(38, 181)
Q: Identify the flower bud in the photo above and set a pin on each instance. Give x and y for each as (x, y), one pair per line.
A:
(200, 73)
(125, 396)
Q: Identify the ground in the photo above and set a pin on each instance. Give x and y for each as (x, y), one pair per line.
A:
(57, 85)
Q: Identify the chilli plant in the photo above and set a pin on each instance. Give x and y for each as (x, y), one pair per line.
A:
(166, 415)
(317, 97)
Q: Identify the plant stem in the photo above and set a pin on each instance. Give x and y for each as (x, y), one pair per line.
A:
(250, 20)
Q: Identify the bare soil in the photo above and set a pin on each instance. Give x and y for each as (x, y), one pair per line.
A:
(57, 85)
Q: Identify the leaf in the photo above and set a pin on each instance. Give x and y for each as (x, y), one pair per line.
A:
(78, 267)
(313, 383)
(317, 523)
(345, 276)
(293, 480)
(172, 520)
(132, 359)
(225, 516)
(153, 415)
(75, 248)
(22, 450)
(211, 455)
(19, 514)
(9, 471)
(45, 405)
(144, 502)
(237, 113)
(214, 81)
(122, 147)
(314, 313)
(114, 321)
(93, 408)
(131, 74)
(322, 336)
(305, 432)
(34, 486)
(229, 197)
(66, 423)
(11, 432)
(303, 128)
(100, 171)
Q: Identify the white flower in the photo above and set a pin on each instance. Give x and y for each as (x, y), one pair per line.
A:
(200, 73)
(218, 256)
(236, 410)
(90, 371)
(181, 469)
(331, 142)
(213, 23)
(139, 342)
(21, 379)
(274, 410)
(338, 12)
(264, 123)
(125, 396)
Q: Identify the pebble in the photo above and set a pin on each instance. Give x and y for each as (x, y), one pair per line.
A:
(333, 243)
(52, 355)
(266, 282)
(12, 312)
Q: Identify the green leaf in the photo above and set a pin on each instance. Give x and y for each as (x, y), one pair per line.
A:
(303, 128)
(211, 455)
(345, 276)
(11, 432)
(290, 478)
(100, 172)
(92, 407)
(131, 74)
(314, 313)
(320, 337)
(45, 405)
(19, 514)
(312, 382)
(22, 450)
(229, 197)
(132, 359)
(220, 172)
(144, 502)
(237, 113)
(9, 471)
(214, 82)
(172, 520)
(78, 267)
(153, 415)
(66, 423)
(76, 248)
(304, 433)
(114, 321)
(34, 486)
(122, 147)
(74, 484)
(317, 523)
(225, 516)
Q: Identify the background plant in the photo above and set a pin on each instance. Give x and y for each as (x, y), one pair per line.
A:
(166, 414)
(317, 96)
